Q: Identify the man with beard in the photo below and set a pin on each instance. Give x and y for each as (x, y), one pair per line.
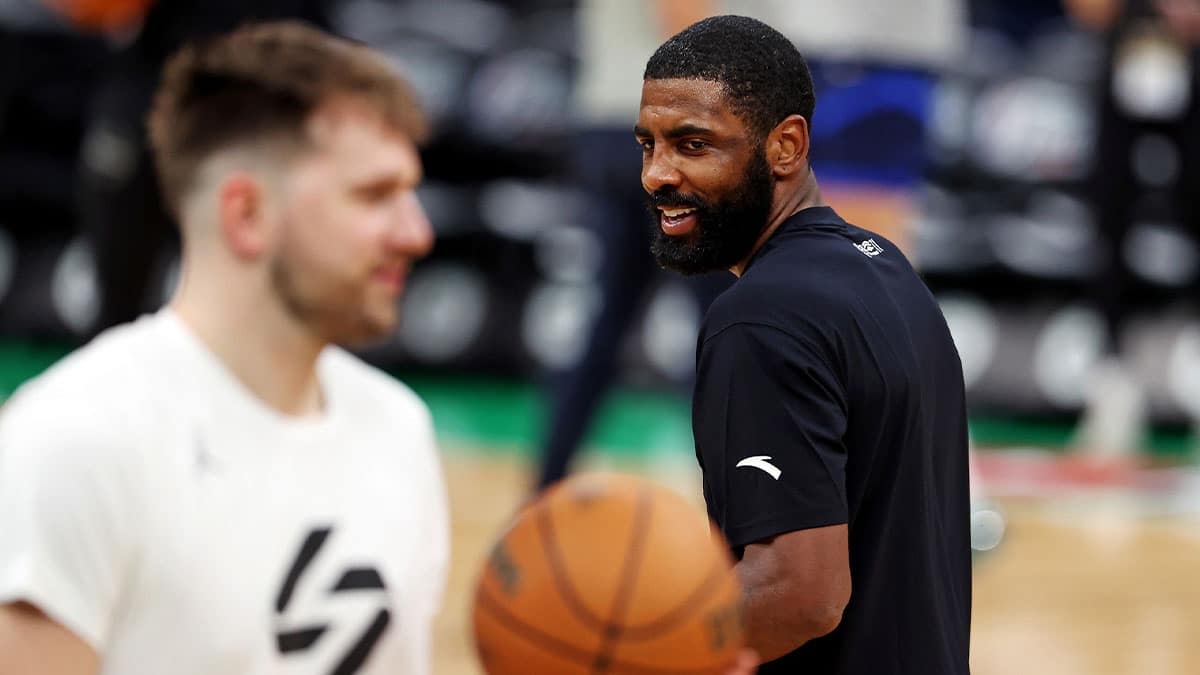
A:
(829, 411)
(218, 488)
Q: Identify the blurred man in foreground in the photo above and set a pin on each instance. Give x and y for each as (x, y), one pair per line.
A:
(218, 488)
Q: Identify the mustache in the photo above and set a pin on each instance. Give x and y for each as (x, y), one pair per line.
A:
(660, 198)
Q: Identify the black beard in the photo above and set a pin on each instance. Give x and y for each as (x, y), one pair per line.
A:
(725, 232)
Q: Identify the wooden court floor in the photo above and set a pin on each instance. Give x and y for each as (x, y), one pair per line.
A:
(1077, 588)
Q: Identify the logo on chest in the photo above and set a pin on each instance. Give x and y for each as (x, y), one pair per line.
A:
(330, 608)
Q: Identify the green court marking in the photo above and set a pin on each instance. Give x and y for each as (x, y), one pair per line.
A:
(506, 415)
(512, 414)
(20, 361)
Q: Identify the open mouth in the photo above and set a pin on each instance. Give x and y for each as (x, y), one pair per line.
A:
(677, 221)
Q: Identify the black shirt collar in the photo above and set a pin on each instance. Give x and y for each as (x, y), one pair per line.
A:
(800, 220)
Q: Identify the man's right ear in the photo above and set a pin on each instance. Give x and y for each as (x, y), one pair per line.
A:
(241, 214)
(787, 146)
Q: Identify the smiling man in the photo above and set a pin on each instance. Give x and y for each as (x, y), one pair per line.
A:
(829, 411)
(219, 487)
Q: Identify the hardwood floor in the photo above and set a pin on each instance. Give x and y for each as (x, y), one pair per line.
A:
(1079, 587)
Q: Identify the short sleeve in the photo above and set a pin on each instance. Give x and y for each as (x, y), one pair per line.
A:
(67, 517)
(438, 536)
(433, 568)
(769, 416)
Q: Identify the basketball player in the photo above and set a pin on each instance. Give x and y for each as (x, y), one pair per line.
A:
(218, 488)
(829, 411)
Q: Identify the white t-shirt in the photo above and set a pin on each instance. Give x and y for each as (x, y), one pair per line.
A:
(177, 524)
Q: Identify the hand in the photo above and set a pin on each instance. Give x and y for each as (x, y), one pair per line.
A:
(747, 663)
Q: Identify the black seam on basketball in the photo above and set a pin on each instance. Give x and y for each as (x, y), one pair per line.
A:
(682, 612)
(558, 573)
(567, 651)
(642, 512)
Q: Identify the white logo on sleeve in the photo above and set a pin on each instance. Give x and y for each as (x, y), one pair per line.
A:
(761, 462)
(869, 248)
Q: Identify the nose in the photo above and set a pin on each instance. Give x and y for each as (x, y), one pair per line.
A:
(658, 172)
(411, 233)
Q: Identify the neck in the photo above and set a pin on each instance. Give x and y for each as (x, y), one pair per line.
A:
(252, 334)
(806, 196)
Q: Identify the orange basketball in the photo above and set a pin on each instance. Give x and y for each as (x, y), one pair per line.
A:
(608, 574)
(102, 14)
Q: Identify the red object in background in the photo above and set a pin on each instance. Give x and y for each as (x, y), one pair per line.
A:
(102, 15)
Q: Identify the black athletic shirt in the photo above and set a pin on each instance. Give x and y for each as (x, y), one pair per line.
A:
(829, 391)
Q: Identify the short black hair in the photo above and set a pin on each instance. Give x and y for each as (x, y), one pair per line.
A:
(764, 75)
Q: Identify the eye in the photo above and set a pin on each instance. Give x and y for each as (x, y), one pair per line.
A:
(694, 145)
(375, 193)
(647, 144)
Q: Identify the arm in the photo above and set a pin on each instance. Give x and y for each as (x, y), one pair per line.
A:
(69, 514)
(31, 642)
(770, 416)
(796, 586)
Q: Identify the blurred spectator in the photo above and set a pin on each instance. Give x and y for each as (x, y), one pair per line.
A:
(1146, 170)
(617, 37)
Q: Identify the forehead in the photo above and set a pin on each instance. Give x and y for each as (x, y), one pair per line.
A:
(672, 102)
(359, 139)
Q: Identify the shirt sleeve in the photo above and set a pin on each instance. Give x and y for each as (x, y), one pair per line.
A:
(770, 417)
(66, 514)
(434, 567)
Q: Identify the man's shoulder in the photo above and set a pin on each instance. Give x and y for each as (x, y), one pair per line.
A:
(792, 304)
(816, 279)
(106, 373)
(95, 397)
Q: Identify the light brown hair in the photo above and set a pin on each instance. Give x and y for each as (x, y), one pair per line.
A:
(261, 83)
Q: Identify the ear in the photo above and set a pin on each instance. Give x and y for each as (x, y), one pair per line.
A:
(787, 147)
(242, 213)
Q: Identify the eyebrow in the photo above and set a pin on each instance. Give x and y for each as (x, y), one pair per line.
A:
(676, 132)
(388, 179)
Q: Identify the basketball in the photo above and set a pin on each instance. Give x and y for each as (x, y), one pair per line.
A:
(608, 573)
(102, 14)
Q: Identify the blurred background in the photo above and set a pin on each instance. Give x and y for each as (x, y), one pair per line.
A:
(1037, 160)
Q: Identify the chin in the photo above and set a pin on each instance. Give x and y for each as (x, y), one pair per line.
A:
(364, 331)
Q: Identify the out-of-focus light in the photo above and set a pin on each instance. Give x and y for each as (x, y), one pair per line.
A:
(1070, 343)
(973, 326)
(1031, 128)
(1055, 237)
(442, 312)
(557, 321)
(670, 329)
(521, 210)
(74, 289)
(1163, 254)
(1151, 78)
(519, 96)
(987, 529)
(1183, 370)
(569, 254)
(1155, 160)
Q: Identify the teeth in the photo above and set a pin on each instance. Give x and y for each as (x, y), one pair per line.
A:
(675, 213)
